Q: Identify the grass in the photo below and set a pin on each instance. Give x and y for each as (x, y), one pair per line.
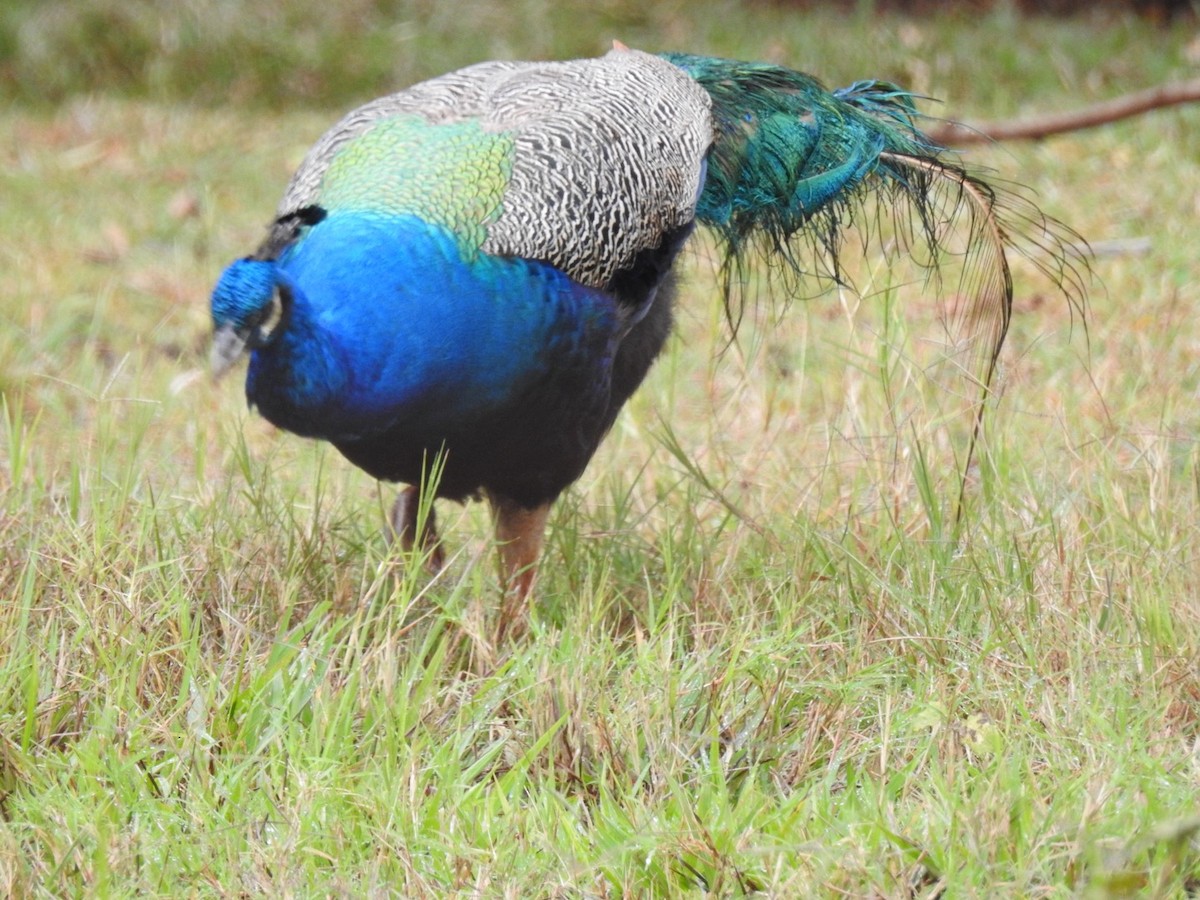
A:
(304, 52)
(217, 680)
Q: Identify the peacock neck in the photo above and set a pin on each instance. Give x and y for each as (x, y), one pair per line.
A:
(296, 378)
(391, 321)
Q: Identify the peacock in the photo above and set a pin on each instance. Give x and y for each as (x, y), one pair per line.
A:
(465, 281)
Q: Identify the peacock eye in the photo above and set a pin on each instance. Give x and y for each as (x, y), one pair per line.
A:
(272, 315)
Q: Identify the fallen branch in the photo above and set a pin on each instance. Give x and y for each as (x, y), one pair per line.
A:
(957, 134)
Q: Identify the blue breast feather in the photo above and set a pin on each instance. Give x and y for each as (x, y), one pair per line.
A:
(391, 327)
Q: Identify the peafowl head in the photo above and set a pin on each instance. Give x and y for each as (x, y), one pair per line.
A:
(247, 310)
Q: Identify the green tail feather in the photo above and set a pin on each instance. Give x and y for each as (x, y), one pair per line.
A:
(785, 147)
(793, 162)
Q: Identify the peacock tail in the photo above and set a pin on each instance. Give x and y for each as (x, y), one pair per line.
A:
(792, 164)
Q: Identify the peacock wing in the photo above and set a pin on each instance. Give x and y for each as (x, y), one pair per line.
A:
(582, 164)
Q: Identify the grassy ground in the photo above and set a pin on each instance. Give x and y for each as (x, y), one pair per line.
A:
(217, 681)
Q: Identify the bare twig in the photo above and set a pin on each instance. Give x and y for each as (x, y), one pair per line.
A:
(956, 134)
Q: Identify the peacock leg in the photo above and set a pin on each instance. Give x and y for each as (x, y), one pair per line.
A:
(405, 528)
(519, 534)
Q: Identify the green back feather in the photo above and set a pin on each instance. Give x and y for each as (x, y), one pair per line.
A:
(451, 174)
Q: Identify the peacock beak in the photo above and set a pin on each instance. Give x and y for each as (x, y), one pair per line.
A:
(227, 348)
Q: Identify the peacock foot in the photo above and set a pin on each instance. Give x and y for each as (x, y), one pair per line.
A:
(519, 533)
(413, 535)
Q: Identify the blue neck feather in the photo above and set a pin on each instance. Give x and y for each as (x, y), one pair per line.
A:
(388, 325)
